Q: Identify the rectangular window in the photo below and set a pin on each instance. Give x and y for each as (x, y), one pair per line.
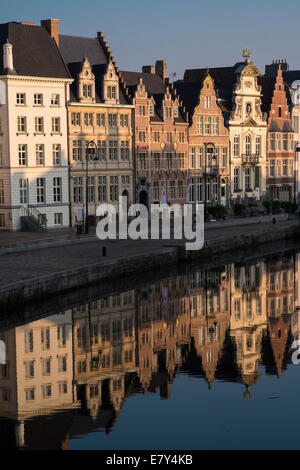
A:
(112, 120)
(172, 190)
(113, 150)
(46, 391)
(124, 120)
(181, 137)
(102, 189)
(40, 190)
(215, 126)
(141, 110)
(181, 160)
(75, 119)
(236, 179)
(207, 125)
(200, 125)
(62, 388)
(193, 157)
(156, 158)
(91, 189)
(125, 150)
(224, 157)
(142, 136)
(236, 146)
(55, 125)
(156, 136)
(21, 124)
(125, 179)
(40, 154)
(58, 218)
(247, 178)
(77, 189)
(100, 120)
(272, 167)
(155, 190)
(55, 99)
(77, 150)
(111, 92)
(278, 141)
(23, 190)
(61, 336)
(258, 146)
(62, 364)
(21, 98)
(39, 125)
(46, 366)
(57, 190)
(2, 220)
(1, 191)
(272, 143)
(45, 339)
(101, 150)
(180, 189)
(29, 370)
(169, 161)
(142, 159)
(28, 340)
(56, 154)
(22, 154)
(38, 99)
(29, 394)
(169, 137)
(114, 188)
(285, 142)
(284, 167)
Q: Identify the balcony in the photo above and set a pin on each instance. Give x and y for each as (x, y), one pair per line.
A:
(250, 159)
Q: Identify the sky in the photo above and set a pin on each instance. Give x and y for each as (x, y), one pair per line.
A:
(186, 33)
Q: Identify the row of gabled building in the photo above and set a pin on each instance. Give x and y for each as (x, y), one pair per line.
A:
(74, 128)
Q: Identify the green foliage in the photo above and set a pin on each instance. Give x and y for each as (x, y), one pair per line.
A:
(218, 211)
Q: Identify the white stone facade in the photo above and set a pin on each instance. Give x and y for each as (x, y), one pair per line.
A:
(24, 99)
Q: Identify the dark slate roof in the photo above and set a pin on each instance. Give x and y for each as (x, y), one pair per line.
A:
(267, 84)
(291, 76)
(35, 53)
(274, 126)
(154, 83)
(189, 94)
(224, 80)
(74, 49)
(287, 127)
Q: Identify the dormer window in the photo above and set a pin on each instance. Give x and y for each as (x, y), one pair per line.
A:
(175, 111)
(110, 88)
(151, 110)
(86, 83)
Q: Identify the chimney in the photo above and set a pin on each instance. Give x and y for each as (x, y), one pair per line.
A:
(8, 62)
(148, 69)
(52, 28)
(161, 68)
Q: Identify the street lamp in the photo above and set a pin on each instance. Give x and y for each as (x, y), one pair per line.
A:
(209, 148)
(90, 146)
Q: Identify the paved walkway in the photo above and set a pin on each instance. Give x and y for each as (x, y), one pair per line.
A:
(15, 267)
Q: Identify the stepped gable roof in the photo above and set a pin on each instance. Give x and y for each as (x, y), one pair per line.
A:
(74, 49)
(155, 86)
(35, 52)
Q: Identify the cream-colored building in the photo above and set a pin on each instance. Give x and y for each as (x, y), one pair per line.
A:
(34, 181)
(99, 117)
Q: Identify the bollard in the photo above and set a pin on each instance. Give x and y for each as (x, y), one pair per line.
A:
(274, 220)
(104, 251)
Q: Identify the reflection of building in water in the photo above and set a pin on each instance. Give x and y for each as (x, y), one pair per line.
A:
(163, 329)
(213, 324)
(104, 351)
(209, 301)
(37, 377)
(248, 317)
(280, 310)
(295, 325)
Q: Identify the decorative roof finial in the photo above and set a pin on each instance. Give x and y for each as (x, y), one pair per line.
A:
(246, 54)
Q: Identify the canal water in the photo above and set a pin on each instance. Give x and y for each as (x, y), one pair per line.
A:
(204, 359)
